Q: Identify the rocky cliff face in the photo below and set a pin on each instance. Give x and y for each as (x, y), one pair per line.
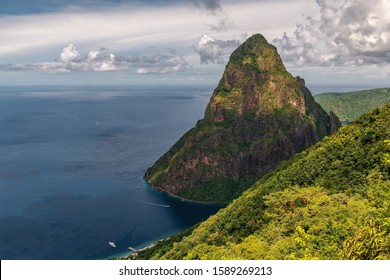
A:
(258, 116)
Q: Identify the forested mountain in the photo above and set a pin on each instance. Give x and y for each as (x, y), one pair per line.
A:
(331, 201)
(350, 105)
(258, 116)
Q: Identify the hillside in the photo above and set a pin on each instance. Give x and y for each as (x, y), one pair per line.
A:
(258, 116)
(331, 201)
(350, 105)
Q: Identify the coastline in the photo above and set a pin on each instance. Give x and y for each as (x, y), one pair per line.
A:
(132, 253)
(182, 198)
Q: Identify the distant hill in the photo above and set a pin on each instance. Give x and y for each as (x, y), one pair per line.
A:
(330, 201)
(258, 116)
(350, 105)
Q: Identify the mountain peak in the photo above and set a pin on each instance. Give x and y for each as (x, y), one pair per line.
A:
(258, 115)
(257, 52)
(254, 43)
(256, 80)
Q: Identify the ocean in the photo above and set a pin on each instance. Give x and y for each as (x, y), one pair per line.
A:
(72, 162)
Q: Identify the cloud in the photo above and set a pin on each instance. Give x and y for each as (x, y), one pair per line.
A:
(118, 28)
(214, 51)
(69, 53)
(223, 23)
(94, 61)
(103, 61)
(157, 64)
(347, 33)
(214, 8)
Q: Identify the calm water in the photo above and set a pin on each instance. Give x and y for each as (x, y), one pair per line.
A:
(71, 167)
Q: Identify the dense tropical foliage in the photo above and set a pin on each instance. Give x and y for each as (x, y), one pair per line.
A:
(350, 105)
(331, 201)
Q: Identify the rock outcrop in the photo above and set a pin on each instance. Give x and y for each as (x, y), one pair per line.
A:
(258, 116)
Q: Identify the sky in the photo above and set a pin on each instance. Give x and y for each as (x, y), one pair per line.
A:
(92, 42)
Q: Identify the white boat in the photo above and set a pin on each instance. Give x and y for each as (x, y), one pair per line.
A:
(112, 244)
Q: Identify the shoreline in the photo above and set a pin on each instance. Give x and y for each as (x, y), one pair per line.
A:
(182, 198)
(133, 252)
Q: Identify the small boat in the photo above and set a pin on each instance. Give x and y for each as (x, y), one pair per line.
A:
(112, 244)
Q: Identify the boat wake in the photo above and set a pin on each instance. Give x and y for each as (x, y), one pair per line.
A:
(151, 203)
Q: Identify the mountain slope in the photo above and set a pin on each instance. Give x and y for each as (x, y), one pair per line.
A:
(350, 105)
(258, 116)
(331, 201)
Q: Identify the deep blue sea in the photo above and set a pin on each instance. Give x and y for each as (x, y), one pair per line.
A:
(72, 162)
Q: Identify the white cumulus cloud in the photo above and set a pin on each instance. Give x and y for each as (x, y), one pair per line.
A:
(69, 53)
(103, 61)
(347, 33)
(214, 51)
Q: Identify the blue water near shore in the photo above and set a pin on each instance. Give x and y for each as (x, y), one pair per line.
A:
(71, 169)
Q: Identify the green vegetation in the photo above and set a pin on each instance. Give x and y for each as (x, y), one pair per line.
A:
(219, 190)
(350, 105)
(162, 246)
(258, 116)
(331, 201)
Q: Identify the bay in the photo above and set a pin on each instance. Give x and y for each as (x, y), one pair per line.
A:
(71, 168)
